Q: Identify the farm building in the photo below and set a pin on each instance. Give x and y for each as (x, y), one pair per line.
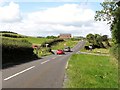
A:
(65, 36)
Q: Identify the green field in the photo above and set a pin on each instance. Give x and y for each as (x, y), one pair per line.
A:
(38, 41)
(62, 45)
(90, 71)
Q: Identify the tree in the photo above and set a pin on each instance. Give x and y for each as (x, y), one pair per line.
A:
(98, 41)
(111, 13)
(95, 40)
(90, 37)
(105, 39)
(51, 37)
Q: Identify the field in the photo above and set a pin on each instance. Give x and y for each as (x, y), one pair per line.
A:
(37, 41)
(90, 71)
(62, 45)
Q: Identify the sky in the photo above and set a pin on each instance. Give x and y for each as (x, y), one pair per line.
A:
(50, 17)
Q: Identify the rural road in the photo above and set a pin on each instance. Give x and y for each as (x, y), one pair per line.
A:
(47, 72)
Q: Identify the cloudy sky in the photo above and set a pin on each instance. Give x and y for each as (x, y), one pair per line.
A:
(51, 18)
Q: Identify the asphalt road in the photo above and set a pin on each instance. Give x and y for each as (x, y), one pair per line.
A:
(43, 73)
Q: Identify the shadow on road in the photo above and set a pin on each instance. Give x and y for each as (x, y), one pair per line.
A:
(21, 61)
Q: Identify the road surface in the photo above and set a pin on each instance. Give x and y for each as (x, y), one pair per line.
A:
(43, 73)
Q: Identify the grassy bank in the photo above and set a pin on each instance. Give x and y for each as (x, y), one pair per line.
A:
(90, 71)
(97, 51)
(62, 45)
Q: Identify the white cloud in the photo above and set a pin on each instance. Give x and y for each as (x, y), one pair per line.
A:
(10, 13)
(68, 13)
(68, 18)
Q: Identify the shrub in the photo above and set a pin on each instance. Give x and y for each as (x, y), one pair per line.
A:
(12, 35)
(115, 51)
(52, 42)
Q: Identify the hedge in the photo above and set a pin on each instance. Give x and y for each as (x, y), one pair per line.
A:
(14, 51)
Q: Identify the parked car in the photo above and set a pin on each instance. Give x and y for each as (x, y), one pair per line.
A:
(60, 52)
(67, 49)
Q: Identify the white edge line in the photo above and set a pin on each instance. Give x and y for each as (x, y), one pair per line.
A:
(66, 65)
(18, 73)
(44, 62)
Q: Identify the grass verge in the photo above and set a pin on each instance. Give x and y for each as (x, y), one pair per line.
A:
(90, 71)
(97, 51)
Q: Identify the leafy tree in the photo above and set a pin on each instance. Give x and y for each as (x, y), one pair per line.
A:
(111, 13)
(90, 37)
(105, 39)
(97, 40)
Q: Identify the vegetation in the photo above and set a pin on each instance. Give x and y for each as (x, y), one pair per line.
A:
(115, 51)
(111, 13)
(51, 37)
(14, 51)
(97, 51)
(90, 71)
(12, 35)
(52, 42)
(97, 40)
(19, 47)
(37, 41)
(7, 32)
(65, 43)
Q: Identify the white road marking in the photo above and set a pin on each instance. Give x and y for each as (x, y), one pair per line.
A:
(54, 58)
(18, 73)
(44, 62)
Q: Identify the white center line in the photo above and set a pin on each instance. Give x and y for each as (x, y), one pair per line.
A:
(44, 62)
(18, 73)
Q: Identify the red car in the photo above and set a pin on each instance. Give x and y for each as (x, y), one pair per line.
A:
(60, 52)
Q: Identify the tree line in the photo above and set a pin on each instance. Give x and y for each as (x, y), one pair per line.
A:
(97, 40)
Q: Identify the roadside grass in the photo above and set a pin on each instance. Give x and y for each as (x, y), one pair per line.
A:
(90, 71)
(62, 45)
(97, 51)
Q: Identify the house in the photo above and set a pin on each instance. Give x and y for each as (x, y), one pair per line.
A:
(65, 36)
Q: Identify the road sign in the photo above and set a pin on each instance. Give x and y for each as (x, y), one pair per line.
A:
(46, 45)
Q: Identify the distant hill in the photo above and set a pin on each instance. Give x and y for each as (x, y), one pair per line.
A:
(11, 34)
(8, 32)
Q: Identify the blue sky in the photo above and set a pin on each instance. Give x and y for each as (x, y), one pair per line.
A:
(34, 6)
(38, 18)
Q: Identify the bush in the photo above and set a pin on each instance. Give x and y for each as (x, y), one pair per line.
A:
(12, 35)
(115, 51)
(52, 42)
